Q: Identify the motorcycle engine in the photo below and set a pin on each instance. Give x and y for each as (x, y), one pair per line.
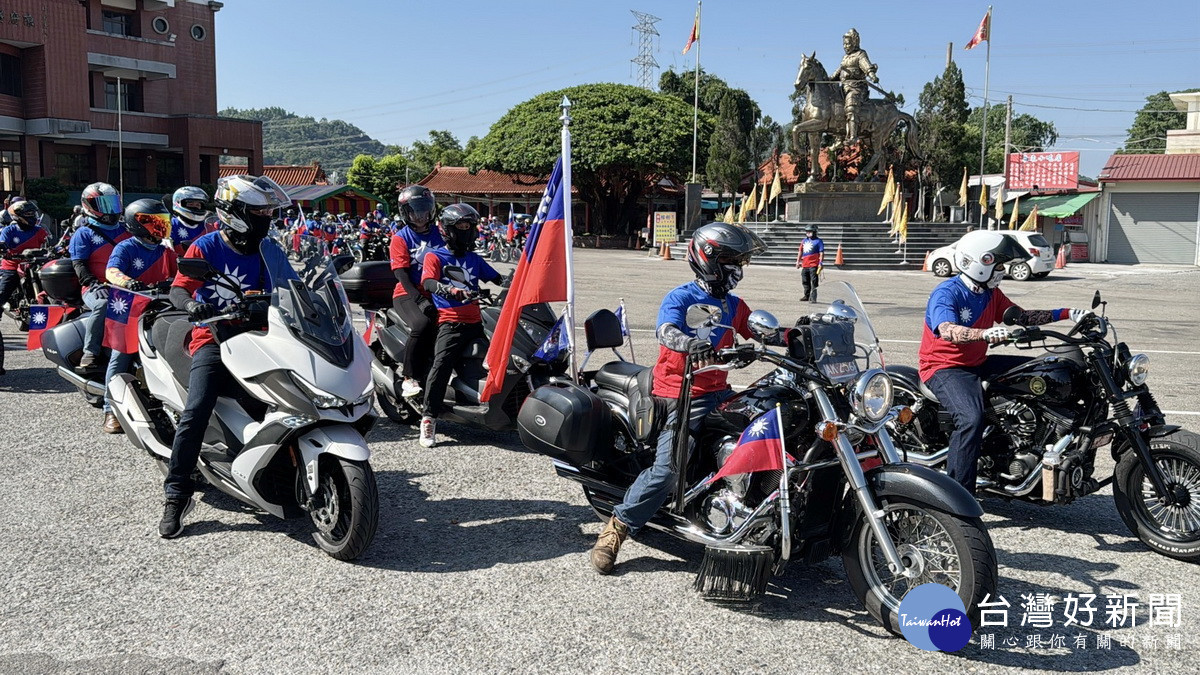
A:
(724, 510)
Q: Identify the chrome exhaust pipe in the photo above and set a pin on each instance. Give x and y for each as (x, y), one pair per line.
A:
(931, 459)
(81, 382)
(383, 377)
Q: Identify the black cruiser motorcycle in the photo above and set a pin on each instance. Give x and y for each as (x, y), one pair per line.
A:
(1047, 419)
(843, 490)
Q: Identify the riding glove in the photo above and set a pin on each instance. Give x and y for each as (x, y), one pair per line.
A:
(200, 311)
(700, 352)
(1077, 315)
(996, 334)
(135, 286)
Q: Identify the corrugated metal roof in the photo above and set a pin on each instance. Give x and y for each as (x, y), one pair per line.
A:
(304, 193)
(284, 174)
(456, 180)
(1151, 168)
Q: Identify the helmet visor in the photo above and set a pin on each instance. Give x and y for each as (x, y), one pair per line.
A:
(107, 204)
(1008, 251)
(157, 224)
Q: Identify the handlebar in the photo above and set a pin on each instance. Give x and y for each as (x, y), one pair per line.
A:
(1026, 335)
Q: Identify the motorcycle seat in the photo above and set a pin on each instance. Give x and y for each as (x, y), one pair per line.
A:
(633, 383)
(620, 376)
(171, 334)
(396, 320)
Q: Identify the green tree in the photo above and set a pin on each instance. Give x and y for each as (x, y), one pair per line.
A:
(380, 177)
(623, 137)
(291, 139)
(441, 148)
(1148, 133)
(1029, 134)
(941, 120)
(712, 94)
(727, 156)
(765, 140)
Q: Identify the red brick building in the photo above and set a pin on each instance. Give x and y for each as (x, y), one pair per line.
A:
(60, 65)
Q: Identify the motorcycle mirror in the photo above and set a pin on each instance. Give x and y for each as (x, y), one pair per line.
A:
(343, 263)
(763, 324)
(196, 268)
(1011, 316)
(699, 315)
(1096, 299)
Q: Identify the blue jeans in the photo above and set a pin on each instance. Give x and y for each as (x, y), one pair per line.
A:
(960, 392)
(652, 487)
(117, 363)
(96, 299)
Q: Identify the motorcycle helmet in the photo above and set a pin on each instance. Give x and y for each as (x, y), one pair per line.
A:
(24, 213)
(457, 223)
(417, 206)
(102, 203)
(190, 204)
(245, 206)
(811, 230)
(717, 253)
(981, 255)
(148, 220)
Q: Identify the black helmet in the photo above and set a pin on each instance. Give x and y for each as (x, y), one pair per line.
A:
(25, 214)
(148, 220)
(717, 253)
(457, 223)
(810, 229)
(417, 207)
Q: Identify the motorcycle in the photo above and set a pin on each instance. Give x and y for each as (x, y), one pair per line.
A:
(30, 285)
(846, 491)
(1047, 419)
(305, 455)
(373, 247)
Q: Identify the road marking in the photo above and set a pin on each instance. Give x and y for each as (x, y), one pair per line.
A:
(1180, 412)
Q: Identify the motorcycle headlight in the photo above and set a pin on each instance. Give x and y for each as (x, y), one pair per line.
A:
(319, 397)
(871, 397)
(1138, 369)
(520, 362)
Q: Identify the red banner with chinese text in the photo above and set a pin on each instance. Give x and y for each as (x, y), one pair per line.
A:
(1042, 171)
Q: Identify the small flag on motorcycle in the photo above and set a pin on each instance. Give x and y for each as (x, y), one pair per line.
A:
(625, 329)
(41, 319)
(368, 334)
(121, 319)
(556, 343)
(759, 448)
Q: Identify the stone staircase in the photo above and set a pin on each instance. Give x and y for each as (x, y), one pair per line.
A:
(864, 245)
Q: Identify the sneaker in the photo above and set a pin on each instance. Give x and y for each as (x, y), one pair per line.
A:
(428, 432)
(604, 553)
(410, 388)
(174, 510)
(111, 425)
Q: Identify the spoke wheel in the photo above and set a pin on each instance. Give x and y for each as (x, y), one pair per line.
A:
(1172, 529)
(941, 268)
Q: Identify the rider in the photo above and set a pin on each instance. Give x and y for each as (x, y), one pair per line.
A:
(245, 206)
(137, 264)
(459, 320)
(23, 234)
(854, 72)
(190, 219)
(90, 247)
(717, 253)
(408, 248)
(811, 262)
(960, 322)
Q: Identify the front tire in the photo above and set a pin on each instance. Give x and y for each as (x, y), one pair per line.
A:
(1020, 272)
(346, 510)
(1173, 531)
(942, 268)
(950, 550)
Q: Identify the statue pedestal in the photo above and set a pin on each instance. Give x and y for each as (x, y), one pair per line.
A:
(834, 202)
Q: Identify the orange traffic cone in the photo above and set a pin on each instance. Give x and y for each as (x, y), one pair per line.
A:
(839, 260)
(925, 265)
(667, 252)
(1061, 262)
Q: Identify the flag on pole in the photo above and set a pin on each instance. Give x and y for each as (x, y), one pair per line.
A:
(752, 200)
(1012, 221)
(121, 319)
(730, 216)
(889, 192)
(41, 319)
(625, 328)
(983, 195)
(999, 210)
(984, 32)
(762, 199)
(759, 448)
(776, 186)
(897, 205)
(557, 341)
(902, 228)
(695, 34)
(511, 232)
(1031, 223)
(541, 275)
(962, 190)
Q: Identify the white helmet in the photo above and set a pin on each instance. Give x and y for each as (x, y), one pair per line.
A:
(246, 205)
(979, 253)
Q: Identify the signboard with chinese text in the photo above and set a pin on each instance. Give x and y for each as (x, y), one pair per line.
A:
(665, 231)
(1043, 171)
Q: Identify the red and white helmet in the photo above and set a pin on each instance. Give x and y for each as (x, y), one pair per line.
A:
(102, 203)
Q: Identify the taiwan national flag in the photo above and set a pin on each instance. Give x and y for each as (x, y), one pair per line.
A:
(759, 448)
(121, 320)
(511, 232)
(556, 342)
(41, 319)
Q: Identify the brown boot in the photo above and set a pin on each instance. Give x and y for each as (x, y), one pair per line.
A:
(604, 553)
(111, 425)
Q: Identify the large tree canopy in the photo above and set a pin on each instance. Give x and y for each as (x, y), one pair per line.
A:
(1029, 134)
(622, 138)
(1148, 133)
(941, 120)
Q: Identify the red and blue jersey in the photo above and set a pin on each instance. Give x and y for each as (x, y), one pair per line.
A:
(953, 301)
(94, 243)
(249, 270)
(184, 233)
(408, 249)
(453, 310)
(810, 251)
(330, 230)
(668, 371)
(146, 264)
(17, 240)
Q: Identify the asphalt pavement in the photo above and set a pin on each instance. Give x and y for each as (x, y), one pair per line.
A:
(480, 560)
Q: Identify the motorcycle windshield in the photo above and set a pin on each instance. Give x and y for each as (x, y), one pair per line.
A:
(868, 351)
(312, 304)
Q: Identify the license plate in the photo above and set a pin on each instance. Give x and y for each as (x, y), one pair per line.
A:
(839, 369)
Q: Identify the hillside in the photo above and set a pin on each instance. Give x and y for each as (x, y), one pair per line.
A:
(291, 139)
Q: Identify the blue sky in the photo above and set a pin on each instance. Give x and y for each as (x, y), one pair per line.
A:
(398, 68)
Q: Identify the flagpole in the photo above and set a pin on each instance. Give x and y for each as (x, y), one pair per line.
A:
(696, 97)
(785, 506)
(625, 321)
(987, 71)
(570, 231)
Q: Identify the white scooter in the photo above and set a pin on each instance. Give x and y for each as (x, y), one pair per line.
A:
(310, 371)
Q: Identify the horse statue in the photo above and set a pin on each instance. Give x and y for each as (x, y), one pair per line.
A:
(824, 112)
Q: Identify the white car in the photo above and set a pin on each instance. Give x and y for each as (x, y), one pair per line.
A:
(1039, 264)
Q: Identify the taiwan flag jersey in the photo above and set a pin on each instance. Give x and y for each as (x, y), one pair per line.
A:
(408, 249)
(145, 264)
(184, 233)
(455, 310)
(953, 301)
(810, 251)
(668, 371)
(17, 240)
(94, 244)
(249, 270)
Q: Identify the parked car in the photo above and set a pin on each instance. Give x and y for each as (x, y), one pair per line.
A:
(1039, 264)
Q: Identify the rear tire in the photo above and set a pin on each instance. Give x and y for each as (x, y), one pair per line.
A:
(1020, 272)
(1173, 531)
(396, 410)
(347, 518)
(941, 268)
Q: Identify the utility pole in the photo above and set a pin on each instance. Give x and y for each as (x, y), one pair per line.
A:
(120, 143)
(1007, 142)
(949, 53)
(645, 58)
